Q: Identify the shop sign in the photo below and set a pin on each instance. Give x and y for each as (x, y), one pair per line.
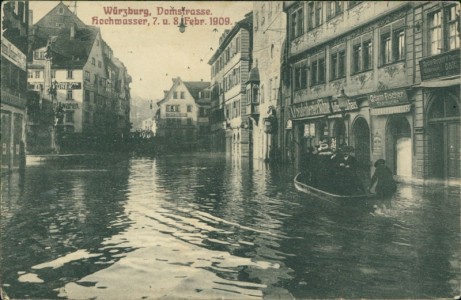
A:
(69, 105)
(69, 85)
(442, 65)
(388, 98)
(391, 110)
(351, 105)
(310, 108)
(175, 115)
(13, 54)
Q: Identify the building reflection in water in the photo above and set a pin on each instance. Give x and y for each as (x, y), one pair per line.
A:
(63, 211)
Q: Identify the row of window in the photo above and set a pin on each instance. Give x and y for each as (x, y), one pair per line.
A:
(232, 110)
(39, 74)
(231, 80)
(232, 49)
(392, 49)
(315, 14)
(181, 95)
(204, 94)
(176, 108)
(443, 30)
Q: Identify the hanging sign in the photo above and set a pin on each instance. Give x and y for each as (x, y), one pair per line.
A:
(69, 105)
(351, 105)
(13, 54)
(69, 85)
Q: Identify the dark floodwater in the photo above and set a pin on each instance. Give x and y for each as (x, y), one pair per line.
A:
(205, 227)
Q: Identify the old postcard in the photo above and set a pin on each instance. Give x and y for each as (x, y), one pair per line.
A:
(230, 150)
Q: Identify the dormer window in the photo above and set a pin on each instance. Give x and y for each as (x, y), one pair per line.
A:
(39, 54)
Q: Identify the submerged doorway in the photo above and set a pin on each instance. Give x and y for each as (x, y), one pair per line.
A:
(361, 133)
(399, 146)
(444, 139)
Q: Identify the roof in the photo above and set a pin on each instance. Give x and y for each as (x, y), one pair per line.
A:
(254, 75)
(194, 87)
(67, 52)
(247, 23)
(66, 17)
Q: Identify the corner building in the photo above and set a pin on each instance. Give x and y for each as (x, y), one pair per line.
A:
(230, 65)
(92, 84)
(14, 83)
(369, 52)
(263, 85)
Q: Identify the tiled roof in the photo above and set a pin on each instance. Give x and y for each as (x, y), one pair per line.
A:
(67, 51)
(195, 87)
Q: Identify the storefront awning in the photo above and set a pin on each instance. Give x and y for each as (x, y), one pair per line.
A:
(454, 80)
(391, 110)
(309, 118)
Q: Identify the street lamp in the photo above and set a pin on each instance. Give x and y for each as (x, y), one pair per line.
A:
(182, 26)
(343, 102)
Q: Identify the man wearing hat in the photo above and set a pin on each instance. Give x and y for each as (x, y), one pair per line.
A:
(321, 173)
(348, 181)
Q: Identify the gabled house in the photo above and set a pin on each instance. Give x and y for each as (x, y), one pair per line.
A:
(87, 79)
(183, 115)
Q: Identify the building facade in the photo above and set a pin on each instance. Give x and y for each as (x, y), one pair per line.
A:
(91, 86)
(230, 65)
(182, 117)
(14, 83)
(437, 90)
(355, 80)
(263, 86)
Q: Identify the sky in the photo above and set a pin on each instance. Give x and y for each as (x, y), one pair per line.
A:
(154, 54)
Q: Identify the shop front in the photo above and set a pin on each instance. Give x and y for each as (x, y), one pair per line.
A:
(392, 139)
(318, 121)
(440, 82)
(310, 126)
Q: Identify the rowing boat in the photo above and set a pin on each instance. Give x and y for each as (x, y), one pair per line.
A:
(303, 186)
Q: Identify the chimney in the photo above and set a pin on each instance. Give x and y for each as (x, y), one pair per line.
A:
(31, 17)
(201, 79)
(72, 31)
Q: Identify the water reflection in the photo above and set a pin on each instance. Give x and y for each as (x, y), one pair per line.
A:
(209, 227)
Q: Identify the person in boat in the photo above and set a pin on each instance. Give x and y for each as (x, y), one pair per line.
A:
(323, 167)
(309, 164)
(347, 181)
(334, 169)
(385, 184)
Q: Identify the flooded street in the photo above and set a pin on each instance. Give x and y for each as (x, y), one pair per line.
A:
(205, 227)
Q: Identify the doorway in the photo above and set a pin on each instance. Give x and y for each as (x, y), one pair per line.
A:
(399, 146)
(444, 143)
(361, 132)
